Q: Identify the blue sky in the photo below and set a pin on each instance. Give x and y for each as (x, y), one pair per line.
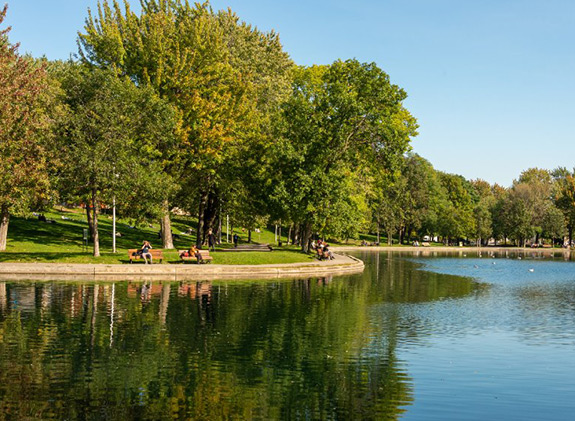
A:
(491, 82)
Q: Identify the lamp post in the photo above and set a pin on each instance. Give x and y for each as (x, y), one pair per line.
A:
(114, 223)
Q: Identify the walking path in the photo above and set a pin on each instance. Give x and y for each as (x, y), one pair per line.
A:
(342, 264)
(467, 249)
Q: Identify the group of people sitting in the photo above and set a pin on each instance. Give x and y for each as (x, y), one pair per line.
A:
(144, 252)
(322, 250)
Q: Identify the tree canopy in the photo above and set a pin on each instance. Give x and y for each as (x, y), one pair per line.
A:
(181, 106)
(24, 126)
(111, 143)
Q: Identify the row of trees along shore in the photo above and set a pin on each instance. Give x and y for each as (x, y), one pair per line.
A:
(185, 107)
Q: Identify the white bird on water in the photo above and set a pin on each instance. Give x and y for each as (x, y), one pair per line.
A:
(531, 270)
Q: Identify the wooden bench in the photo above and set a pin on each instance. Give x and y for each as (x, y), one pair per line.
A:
(157, 255)
(206, 258)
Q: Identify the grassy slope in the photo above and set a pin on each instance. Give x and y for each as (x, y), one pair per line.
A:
(30, 240)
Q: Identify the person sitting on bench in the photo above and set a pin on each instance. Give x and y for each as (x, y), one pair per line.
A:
(145, 251)
(193, 251)
(326, 252)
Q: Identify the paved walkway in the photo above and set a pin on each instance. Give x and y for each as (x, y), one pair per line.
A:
(341, 265)
(465, 249)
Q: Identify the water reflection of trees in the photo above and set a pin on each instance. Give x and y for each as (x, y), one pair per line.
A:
(285, 349)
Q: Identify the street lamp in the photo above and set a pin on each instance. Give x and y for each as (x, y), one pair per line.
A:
(114, 212)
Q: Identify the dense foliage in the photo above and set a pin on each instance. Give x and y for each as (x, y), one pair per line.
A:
(24, 123)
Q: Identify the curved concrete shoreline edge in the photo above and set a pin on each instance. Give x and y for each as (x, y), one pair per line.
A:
(342, 265)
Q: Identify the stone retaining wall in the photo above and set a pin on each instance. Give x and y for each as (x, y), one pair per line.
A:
(175, 272)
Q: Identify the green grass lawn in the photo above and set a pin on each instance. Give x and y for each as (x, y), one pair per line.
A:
(30, 240)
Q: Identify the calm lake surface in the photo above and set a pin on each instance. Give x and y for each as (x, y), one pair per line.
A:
(422, 337)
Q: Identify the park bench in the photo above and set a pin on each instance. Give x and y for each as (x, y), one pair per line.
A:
(206, 258)
(157, 255)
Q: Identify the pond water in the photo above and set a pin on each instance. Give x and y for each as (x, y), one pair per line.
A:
(433, 337)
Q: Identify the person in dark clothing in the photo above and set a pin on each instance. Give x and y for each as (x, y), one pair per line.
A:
(236, 239)
(211, 240)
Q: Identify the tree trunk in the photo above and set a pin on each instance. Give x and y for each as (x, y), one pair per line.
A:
(389, 237)
(305, 238)
(289, 235)
(95, 237)
(280, 234)
(249, 236)
(89, 218)
(201, 211)
(211, 211)
(166, 227)
(4, 220)
(570, 234)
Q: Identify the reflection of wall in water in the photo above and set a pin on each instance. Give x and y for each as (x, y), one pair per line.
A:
(3, 298)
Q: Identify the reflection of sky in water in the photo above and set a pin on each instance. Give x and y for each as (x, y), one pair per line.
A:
(506, 351)
(537, 305)
(507, 272)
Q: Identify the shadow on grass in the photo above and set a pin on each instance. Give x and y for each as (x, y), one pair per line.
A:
(29, 233)
(31, 240)
(41, 256)
(34, 231)
(60, 257)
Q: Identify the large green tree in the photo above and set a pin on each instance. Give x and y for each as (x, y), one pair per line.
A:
(223, 75)
(24, 125)
(421, 197)
(564, 197)
(339, 119)
(482, 216)
(535, 187)
(110, 143)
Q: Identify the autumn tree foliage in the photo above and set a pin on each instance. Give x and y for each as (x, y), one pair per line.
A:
(224, 77)
(23, 126)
